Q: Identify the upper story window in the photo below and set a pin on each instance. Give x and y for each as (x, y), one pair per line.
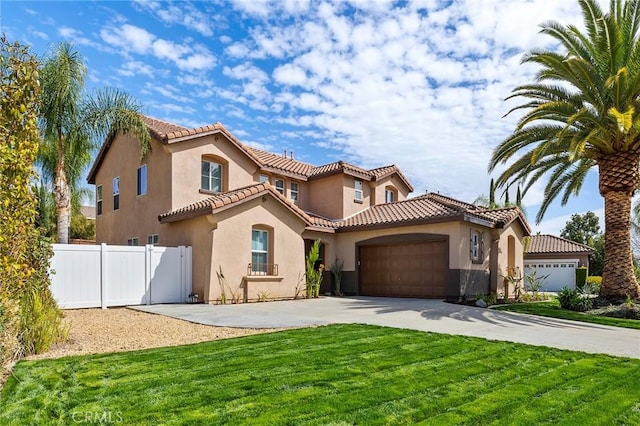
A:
(98, 200)
(280, 186)
(358, 193)
(294, 191)
(116, 193)
(211, 176)
(142, 180)
(264, 178)
(389, 195)
(476, 246)
(132, 241)
(153, 239)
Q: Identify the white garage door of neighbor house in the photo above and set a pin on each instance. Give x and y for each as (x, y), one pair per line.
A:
(560, 272)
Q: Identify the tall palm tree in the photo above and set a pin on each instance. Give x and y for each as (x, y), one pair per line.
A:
(72, 124)
(582, 112)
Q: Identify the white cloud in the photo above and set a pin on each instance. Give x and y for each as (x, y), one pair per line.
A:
(186, 14)
(186, 56)
(131, 68)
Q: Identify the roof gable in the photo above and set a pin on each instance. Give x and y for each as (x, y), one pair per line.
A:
(226, 200)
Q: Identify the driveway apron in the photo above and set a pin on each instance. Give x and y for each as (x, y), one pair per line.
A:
(417, 314)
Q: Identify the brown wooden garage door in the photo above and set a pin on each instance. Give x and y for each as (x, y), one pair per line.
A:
(404, 270)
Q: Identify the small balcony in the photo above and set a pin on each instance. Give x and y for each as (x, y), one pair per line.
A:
(262, 269)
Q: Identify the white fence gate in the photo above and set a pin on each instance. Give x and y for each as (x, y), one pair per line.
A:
(88, 276)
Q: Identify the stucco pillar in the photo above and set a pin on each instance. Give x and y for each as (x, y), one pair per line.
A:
(493, 260)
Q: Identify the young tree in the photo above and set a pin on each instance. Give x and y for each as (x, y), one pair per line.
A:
(72, 124)
(582, 229)
(582, 112)
(29, 318)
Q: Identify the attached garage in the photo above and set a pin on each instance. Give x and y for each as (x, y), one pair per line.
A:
(404, 269)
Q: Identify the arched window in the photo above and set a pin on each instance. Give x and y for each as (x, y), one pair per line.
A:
(390, 194)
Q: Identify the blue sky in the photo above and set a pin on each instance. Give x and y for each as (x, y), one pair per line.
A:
(418, 84)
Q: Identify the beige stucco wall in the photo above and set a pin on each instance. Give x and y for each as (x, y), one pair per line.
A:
(137, 215)
(325, 197)
(224, 240)
(186, 172)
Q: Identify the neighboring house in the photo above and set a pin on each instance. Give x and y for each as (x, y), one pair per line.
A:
(88, 211)
(251, 216)
(557, 258)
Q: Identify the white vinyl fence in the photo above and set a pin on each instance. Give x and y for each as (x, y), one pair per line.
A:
(87, 276)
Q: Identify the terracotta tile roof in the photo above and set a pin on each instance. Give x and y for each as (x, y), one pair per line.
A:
(279, 163)
(228, 199)
(159, 128)
(443, 199)
(547, 244)
(167, 132)
(340, 167)
(429, 208)
(408, 211)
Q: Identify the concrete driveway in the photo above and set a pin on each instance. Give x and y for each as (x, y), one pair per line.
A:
(417, 314)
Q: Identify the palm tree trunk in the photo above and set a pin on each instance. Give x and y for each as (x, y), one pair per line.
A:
(62, 195)
(618, 180)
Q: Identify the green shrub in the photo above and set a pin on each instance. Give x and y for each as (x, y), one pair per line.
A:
(574, 300)
(313, 275)
(581, 276)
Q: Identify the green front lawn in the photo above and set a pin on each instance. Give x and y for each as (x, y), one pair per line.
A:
(340, 374)
(553, 309)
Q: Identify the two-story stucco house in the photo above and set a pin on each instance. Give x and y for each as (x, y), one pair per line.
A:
(251, 215)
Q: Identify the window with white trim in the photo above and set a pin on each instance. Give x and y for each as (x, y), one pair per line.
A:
(99, 200)
(264, 178)
(358, 190)
(280, 186)
(259, 250)
(294, 191)
(132, 241)
(153, 239)
(116, 193)
(211, 176)
(141, 187)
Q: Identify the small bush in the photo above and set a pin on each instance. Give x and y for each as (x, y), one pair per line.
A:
(594, 280)
(581, 276)
(489, 299)
(574, 300)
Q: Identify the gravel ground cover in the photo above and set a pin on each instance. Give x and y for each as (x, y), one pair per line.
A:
(93, 331)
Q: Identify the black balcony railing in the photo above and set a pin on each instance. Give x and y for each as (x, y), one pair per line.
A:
(255, 269)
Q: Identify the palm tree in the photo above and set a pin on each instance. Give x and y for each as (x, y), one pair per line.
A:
(72, 124)
(583, 111)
